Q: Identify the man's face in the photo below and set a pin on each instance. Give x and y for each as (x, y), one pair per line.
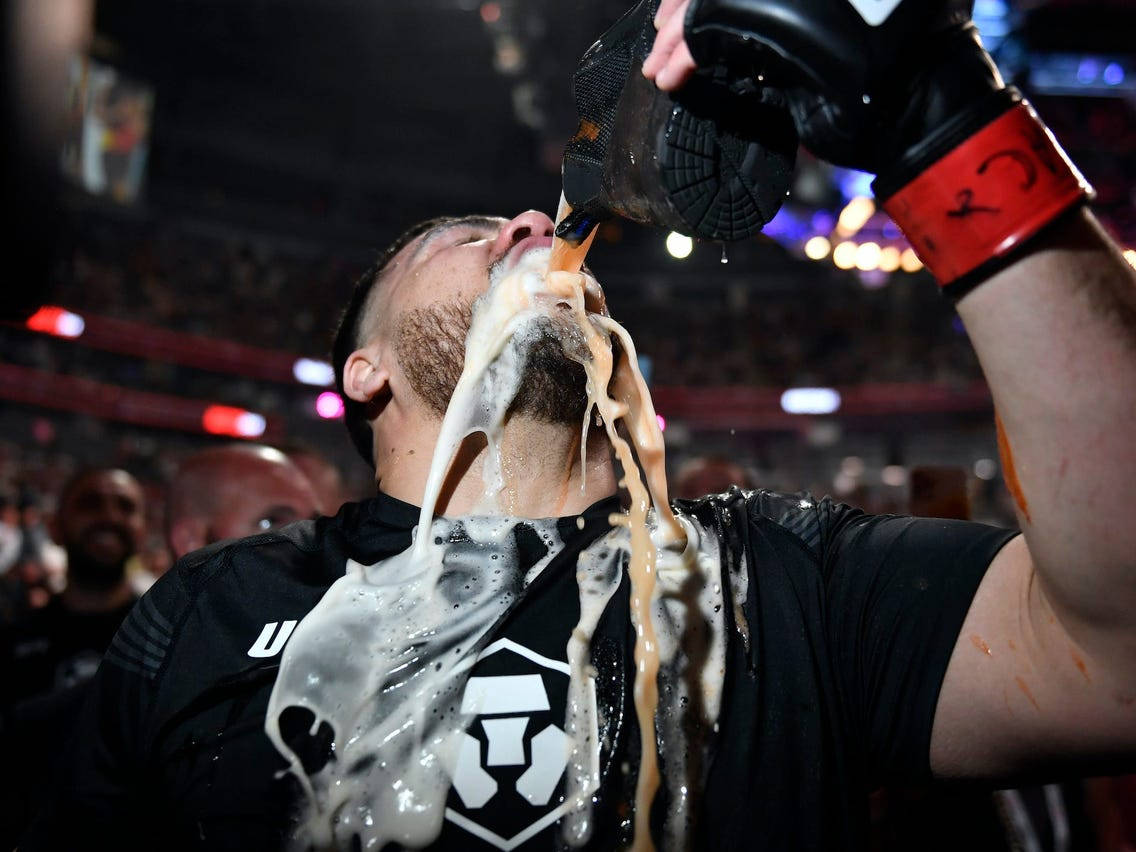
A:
(101, 523)
(255, 495)
(424, 304)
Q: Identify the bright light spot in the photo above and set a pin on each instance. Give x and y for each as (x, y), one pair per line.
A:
(491, 12)
(678, 245)
(227, 420)
(53, 320)
(810, 401)
(1130, 256)
(894, 474)
(329, 405)
(843, 484)
(852, 466)
(868, 256)
(910, 261)
(889, 259)
(1113, 74)
(662, 421)
(312, 372)
(1087, 71)
(855, 215)
(986, 468)
(251, 425)
(844, 255)
(817, 248)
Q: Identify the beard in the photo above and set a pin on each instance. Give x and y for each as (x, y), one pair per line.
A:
(430, 347)
(93, 571)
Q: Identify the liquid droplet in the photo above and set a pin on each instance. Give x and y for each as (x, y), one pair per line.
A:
(725, 258)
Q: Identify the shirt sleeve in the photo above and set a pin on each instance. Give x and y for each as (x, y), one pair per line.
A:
(897, 592)
(99, 796)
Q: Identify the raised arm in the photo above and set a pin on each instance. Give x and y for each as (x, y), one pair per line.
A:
(1045, 667)
(1044, 671)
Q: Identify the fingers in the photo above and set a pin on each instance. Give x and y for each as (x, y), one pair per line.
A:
(677, 70)
(669, 63)
(666, 10)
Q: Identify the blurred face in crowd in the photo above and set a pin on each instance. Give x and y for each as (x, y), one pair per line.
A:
(420, 312)
(100, 523)
(325, 478)
(233, 492)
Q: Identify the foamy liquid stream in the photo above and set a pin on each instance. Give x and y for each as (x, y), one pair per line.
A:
(384, 656)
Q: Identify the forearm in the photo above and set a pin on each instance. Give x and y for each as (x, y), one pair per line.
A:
(1056, 335)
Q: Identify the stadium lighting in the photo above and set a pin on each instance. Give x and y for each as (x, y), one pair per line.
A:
(235, 422)
(844, 255)
(309, 371)
(329, 405)
(54, 320)
(910, 261)
(868, 256)
(855, 215)
(810, 401)
(889, 259)
(679, 246)
(817, 248)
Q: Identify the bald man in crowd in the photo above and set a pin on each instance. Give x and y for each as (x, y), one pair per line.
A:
(235, 491)
(325, 476)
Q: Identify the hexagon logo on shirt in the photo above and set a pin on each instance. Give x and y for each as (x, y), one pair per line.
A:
(507, 784)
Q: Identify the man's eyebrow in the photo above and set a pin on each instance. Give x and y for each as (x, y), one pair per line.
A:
(486, 222)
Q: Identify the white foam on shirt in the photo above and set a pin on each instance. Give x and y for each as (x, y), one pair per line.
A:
(385, 654)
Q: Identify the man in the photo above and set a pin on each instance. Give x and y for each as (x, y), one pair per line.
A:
(322, 473)
(100, 521)
(47, 660)
(232, 492)
(860, 649)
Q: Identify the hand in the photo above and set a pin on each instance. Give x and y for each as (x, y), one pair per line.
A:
(669, 64)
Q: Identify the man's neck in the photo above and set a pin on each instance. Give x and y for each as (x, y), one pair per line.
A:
(540, 463)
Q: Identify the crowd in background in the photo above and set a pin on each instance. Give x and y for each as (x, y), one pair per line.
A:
(261, 294)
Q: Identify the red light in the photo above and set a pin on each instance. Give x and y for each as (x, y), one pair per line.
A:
(226, 420)
(490, 12)
(51, 319)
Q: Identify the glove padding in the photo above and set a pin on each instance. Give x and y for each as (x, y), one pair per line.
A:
(714, 161)
(863, 87)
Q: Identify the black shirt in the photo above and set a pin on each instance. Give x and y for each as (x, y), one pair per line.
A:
(54, 648)
(837, 645)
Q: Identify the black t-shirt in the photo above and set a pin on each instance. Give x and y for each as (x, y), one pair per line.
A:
(842, 630)
(54, 648)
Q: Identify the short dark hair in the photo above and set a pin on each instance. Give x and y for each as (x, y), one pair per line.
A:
(350, 326)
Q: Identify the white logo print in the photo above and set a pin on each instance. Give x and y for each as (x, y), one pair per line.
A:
(874, 12)
(271, 641)
(497, 704)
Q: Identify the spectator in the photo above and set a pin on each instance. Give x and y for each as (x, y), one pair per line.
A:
(235, 491)
(99, 522)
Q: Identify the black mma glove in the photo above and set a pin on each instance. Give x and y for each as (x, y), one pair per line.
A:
(904, 89)
(714, 161)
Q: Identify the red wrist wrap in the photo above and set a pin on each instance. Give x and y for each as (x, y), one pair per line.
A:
(986, 196)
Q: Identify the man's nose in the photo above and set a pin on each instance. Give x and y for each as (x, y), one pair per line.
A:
(528, 224)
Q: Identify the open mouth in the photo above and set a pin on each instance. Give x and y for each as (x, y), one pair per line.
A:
(524, 246)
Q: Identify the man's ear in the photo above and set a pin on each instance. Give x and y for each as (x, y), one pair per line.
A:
(186, 535)
(364, 377)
